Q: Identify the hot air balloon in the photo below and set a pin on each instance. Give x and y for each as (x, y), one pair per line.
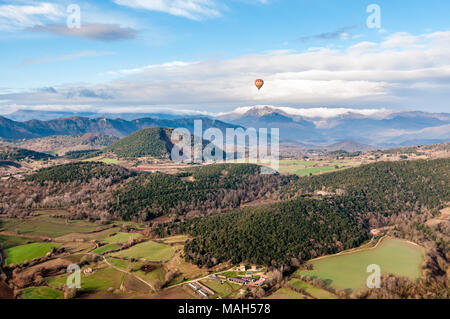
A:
(259, 83)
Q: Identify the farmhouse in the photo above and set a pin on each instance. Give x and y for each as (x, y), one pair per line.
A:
(242, 280)
(201, 289)
(87, 271)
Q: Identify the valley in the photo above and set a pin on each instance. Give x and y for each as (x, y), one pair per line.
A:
(141, 226)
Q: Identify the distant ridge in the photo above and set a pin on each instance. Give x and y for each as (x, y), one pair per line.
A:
(325, 126)
(10, 129)
(349, 146)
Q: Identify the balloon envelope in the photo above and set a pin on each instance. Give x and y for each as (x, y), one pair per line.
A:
(259, 83)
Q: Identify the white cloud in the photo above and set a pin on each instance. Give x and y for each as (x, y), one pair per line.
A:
(23, 16)
(400, 39)
(191, 9)
(318, 112)
(163, 66)
(367, 74)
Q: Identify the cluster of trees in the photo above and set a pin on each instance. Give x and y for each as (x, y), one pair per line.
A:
(202, 190)
(384, 187)
(83, 154)
(285, 233)
(80, 172)
(85, 189)
(18, 154)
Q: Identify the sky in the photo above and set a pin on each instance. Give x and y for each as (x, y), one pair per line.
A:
(204, 55)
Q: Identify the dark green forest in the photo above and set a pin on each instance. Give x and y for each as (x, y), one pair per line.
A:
(313, 225)
(18, 154)
(384, 187)
(201, 190)
(80, 172)
(303, 224)
(147, 142)
(83, 154)
(278, 234)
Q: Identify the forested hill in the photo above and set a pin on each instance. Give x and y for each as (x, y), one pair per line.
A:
(284, 233)
(295, 230)
(80, 172)
(153, 142)
(386, 187)
(201, 190)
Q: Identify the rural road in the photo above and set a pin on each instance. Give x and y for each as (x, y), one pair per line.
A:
(127, 272)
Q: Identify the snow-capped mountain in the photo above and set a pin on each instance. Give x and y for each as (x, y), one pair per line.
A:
(332, 125)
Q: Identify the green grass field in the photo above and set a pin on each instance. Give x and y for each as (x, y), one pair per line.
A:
(316, 292)
(315, 170)
(19, 254)
(101, 280)
(121, 238)
(175, 239)
(105, 248)
(154, 277)
(306, 167)
(105, 160)
(223, 290)
(348, 271)
(124, 264)
(101, 235)
(285, 293)
(49, 227)
(41, 293)
(148, 250)
(110, 161)
(11, 241)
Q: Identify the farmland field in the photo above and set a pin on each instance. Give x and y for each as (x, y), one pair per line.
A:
(105, 248)
(175, 239)
(285, 293)
(311, 167)
(223, 290)
(348, 271)
(100, 280)
(118, 262)
(41, 293)
(98, 235)
(11, 241)
(49, 227)
(21, 253)
(316, 292)
(149, 250)
(105, 160)
(122, 238)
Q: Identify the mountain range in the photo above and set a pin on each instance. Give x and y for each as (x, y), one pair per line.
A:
(323, 126)
(357, 129)
(10, 129)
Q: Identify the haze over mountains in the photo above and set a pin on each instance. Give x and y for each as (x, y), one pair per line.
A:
(10, 129)
(356, 129)
(324, 126)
